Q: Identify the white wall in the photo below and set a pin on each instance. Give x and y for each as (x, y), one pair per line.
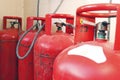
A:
(48, 6)
(10, 8)
(29, 9)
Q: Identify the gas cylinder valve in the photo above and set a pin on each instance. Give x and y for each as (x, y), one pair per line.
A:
(102, 30)
(13, 23)
(59, 25)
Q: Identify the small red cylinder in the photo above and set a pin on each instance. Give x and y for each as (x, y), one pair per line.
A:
(25, 66)
(8, 42)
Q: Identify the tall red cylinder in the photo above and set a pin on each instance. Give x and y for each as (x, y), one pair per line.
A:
(48, 46)
(25, 66)
(8, 42)
(92, 60)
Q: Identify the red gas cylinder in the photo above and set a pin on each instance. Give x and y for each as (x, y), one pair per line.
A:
(92, 60)
(25, 63)
(8, 42)
(48, 46)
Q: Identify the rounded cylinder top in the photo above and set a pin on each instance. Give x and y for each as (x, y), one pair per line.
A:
(61, 16)
(89, 10)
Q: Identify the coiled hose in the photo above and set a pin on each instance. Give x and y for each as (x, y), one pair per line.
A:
(36, 35)
(31, 46)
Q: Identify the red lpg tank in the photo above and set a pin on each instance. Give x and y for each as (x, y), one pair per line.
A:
(25, 62)
(92, 60)
(48, 46)
(8, 42)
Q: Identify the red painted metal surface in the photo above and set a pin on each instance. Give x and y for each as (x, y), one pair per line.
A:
(83, 30)
(85, 13)
(5, 18)
(80, 62)
(25, 66)
(48, 46)
(8, 41)
(30, 21)
(49, 17)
